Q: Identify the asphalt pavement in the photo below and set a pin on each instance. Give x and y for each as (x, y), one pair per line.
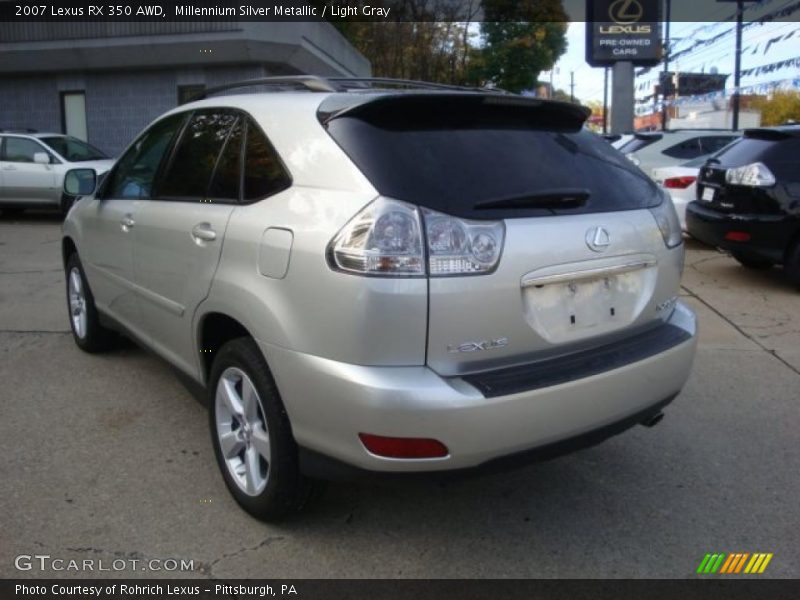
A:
(108, 458)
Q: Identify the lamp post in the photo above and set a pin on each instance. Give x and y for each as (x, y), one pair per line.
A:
(666, 51)
(735, 100)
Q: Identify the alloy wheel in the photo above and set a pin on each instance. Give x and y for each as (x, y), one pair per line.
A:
(242, 431)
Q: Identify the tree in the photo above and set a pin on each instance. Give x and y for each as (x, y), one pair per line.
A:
(779, 107)
(522, 38)
(430, 40)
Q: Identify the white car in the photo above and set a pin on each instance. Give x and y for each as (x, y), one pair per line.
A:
(656, 149)
(33, 165)
(680, 182)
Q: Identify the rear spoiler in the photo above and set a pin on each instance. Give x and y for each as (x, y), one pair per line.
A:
(765, 133)
(427, 106)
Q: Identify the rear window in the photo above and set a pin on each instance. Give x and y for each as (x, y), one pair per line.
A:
(489, 161)
(638, 142)
(750, 149)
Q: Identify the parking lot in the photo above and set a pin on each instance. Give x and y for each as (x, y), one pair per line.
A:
(109, 457)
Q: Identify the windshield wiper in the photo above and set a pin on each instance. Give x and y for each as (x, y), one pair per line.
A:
(548, 199)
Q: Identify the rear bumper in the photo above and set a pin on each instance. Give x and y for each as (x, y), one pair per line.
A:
(769, 234)
(329, 403)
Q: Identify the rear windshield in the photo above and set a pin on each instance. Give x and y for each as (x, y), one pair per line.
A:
(490, 161)
(759, 148)
(638, 142)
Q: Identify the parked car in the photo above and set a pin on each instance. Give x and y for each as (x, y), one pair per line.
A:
(652, 150)
(748, 200)
(680, 182)
(617, 140)
(33, 165)
(385, 281)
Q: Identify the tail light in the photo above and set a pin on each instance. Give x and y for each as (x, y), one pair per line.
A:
(385, 238)
(754, 175)
(667, 220)
(388, 236)
(679, 183)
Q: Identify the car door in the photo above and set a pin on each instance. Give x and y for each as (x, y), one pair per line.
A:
(24, 180)
(109, 220)
(179, 232)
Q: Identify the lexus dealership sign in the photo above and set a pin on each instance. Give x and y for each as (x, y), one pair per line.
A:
(623, 30)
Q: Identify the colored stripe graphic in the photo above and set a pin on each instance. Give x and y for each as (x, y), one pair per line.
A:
(722, 563)
(752, 563)
(741, 562)
(703, 563)
(765, 563)
(713, 563)
(727, 565)
(718, 564)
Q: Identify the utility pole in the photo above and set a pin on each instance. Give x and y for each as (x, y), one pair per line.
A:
(737, 70)
(738, 63)
(667, 50)
(622, 97)
(605, 100)
(572, 86)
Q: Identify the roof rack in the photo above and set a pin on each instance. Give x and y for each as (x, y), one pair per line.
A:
(314, 83)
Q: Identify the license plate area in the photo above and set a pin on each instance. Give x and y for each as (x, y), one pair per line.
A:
(589, 302)
(562, 307)
(708, 194)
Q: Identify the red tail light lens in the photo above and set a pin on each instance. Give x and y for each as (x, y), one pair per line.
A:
(392, 447)
(737, 236)
(680, 183)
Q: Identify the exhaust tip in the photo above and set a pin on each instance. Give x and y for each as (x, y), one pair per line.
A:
(654, 420)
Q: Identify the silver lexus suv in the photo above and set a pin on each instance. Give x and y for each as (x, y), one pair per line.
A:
(372, 280)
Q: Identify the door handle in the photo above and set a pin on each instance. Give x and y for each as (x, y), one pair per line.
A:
(127, 223)
(202, 232)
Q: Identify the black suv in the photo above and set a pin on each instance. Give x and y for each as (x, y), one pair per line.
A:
(748, 200)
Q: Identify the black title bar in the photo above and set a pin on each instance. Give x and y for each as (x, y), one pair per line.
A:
(358, 10)
(399, 589)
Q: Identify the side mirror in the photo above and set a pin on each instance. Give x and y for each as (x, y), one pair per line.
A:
(80, 182)
(42, 158)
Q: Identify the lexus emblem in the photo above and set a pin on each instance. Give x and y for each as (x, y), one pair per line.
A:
(597, 239)
(625, 12)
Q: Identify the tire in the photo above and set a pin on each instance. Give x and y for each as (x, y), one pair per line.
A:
(752, 262)
(88, 333)
(792, 264)
(260, 461)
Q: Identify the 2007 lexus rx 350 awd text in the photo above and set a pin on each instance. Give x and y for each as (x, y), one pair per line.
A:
(385, 281)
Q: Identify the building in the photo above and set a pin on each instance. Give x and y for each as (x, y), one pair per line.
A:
(701, 114)
(104, 82)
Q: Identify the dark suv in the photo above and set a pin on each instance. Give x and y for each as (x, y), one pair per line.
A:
(748, 200)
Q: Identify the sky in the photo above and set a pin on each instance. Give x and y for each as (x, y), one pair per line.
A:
(589, 81)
